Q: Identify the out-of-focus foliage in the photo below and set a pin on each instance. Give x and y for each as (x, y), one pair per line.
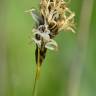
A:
(71, 71)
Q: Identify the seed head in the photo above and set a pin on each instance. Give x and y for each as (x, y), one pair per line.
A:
(53, 17)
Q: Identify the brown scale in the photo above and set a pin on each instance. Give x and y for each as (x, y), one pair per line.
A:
(42, 48)
(53, 29)
(42, 54)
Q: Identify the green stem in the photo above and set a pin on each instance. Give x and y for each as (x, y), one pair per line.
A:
(38, 67)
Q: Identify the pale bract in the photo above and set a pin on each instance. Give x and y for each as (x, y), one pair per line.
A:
(47, 41)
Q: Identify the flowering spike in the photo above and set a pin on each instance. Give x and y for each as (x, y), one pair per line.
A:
(54, 16)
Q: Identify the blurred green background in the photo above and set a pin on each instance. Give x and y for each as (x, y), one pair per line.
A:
(71, 71)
